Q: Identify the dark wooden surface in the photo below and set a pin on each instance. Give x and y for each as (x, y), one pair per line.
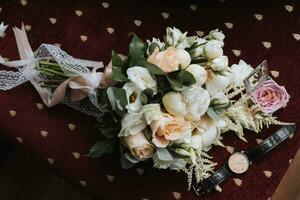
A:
(22, 178)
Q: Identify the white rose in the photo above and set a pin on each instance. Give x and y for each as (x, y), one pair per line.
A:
(197, 101)
(198, 72)
(139, 146)
(198, 50)
(142, 78)
(176, 38)
(216, 34)
(132, 124)
(218, 83)
(2, 28)
(196, 142)
(133, 97)
(240, 72)
(173, 103)
(213, 49)
(219, 63)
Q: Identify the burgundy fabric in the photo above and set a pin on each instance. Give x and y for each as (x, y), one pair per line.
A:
(247, 35)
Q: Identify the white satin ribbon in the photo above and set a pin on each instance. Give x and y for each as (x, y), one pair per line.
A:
(27, 60)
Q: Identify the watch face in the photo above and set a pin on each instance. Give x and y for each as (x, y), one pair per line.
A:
(238, 163)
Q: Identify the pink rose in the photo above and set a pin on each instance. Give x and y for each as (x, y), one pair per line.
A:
(270, 96)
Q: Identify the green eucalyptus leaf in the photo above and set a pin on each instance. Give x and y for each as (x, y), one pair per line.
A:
(148, 92)
(125, 163)
(175, 80)
(153, 69)
(116, 60)
(102, 147)
(137, 50)
(152, 47)
(118, 75)
(117, 98)
(121, 95)
(129, 157)
(187, 78)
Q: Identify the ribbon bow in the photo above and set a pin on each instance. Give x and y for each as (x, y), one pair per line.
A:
(82, 84)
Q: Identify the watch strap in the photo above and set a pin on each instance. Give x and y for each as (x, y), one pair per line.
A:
(208, 184)
(271, 142)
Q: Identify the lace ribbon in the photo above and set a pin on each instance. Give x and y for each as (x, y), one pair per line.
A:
(84, 82)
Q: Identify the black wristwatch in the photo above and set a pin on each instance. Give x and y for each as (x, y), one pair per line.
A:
(239, 162)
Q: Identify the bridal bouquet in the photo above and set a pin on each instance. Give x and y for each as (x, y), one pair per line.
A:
(168, 101)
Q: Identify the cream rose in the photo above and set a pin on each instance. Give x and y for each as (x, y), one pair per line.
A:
(170, 59)
(199, 73)
(136, 122)
(169, 128)
(139, 146)
(196, 101)
(132, 124)
(142, 78)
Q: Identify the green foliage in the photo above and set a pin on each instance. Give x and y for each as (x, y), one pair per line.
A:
(117, 98)
(137, 50)
(118, 75)
(181, 78)
(102, 147)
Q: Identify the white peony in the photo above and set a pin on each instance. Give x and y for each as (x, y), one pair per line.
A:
(219, 63)
(240, 72)
(133, 97)
(142, 78)
(213, 49)
(198, 72)
(173, 103)
(216, 34)
(176, 38)
(196, 101)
